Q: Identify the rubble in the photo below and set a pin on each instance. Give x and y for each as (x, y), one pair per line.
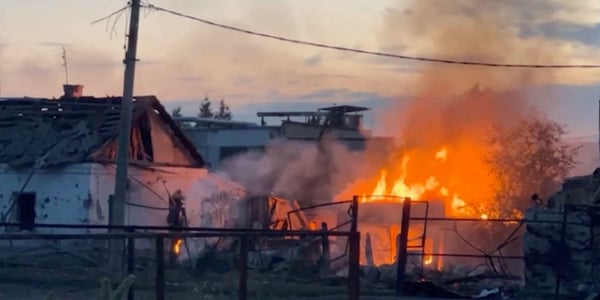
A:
(561, 244)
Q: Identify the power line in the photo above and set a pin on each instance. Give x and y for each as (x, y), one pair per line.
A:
(374, 53)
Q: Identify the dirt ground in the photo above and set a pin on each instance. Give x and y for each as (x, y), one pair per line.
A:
(35, 283)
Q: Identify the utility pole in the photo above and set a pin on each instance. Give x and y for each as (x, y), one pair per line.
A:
(117, 211)
(64, 57)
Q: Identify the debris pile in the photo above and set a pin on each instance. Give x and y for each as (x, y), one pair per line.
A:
(562, 242)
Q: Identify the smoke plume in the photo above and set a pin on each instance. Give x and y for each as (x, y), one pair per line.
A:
(457, 107)
(295, 170)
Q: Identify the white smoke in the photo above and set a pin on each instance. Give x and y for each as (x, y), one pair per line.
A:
(296, 170)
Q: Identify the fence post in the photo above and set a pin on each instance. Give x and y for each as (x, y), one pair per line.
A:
(402, 247)
(354, 253)
(563, 237)
(354, 214)
(160, 268)
(353, 266)
(369, 250)
(243, 281)
(131, 265)
(326, 248)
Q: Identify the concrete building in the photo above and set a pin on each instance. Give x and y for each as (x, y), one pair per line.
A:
(217, 140)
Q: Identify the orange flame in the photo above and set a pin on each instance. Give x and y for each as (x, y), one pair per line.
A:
(177, 246)
(430, 186)
(442, 154)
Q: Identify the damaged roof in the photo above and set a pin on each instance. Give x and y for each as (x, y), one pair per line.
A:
(45, 133)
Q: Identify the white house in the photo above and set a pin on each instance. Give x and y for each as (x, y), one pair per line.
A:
(57, 165)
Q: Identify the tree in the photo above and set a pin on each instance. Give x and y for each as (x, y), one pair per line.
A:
(529, 158)
(224, 111)
(176, 112)
(206, 110)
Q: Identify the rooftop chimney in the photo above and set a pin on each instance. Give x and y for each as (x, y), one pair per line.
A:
(72, 90)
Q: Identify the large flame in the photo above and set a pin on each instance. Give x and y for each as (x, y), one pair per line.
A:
(439, 184)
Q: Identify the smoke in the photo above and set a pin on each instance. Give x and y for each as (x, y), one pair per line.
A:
(295, 170)
(476, 31)
(457, 106)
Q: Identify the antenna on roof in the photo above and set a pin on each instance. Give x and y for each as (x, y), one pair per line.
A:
(64, 57)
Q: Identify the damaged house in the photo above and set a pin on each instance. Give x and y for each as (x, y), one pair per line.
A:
(57, 165)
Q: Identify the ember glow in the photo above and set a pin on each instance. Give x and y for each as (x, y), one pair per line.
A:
(177, 246)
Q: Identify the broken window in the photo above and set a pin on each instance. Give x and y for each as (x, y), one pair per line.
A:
(25, 210)
(145, 137)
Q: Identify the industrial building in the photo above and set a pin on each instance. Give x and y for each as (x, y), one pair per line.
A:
(217, 139)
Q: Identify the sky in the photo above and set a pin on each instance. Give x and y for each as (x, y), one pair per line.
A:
(182, 61)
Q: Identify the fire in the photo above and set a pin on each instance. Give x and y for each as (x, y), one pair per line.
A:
(177, 246)
(428, 258)
(400, 187)
(429, 187)
(441, 155)
(411, 180)
(457, 203)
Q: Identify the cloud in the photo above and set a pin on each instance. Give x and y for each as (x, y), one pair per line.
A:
(586, 35)
(202, 60)
(313, 60)
(487, 31)
(94, 69)
(194, 79)
(54, 44)
(243, 80)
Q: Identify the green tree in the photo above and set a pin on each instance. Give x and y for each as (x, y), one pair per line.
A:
(206, 110)
(529, 158)
(224, 111)
(176, 112)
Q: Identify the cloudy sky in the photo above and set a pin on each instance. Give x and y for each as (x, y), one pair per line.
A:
(182, 61)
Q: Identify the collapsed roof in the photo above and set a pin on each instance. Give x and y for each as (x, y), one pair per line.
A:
(47, 133)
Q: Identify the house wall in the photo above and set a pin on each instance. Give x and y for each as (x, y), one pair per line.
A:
(210, 201)
(164, 147)
(79, 194)
(62, 195)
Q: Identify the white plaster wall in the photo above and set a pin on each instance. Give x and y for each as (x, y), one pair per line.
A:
(62, 195)
(211, 201)
(78, 194)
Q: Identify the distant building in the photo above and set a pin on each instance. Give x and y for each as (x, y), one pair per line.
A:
(57, 164)
(219, 139)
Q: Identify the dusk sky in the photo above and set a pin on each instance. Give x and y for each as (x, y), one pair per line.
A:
(182, 61)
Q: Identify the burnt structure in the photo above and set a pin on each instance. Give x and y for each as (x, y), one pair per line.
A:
(56, 132)
(380, 222)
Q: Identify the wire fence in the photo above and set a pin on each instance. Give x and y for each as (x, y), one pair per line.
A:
(196, 262)
(501, 247)
(262, 264)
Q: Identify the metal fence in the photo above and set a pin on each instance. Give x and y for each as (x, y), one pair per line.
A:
(149, 250)
(146, 248)
(495, 258)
